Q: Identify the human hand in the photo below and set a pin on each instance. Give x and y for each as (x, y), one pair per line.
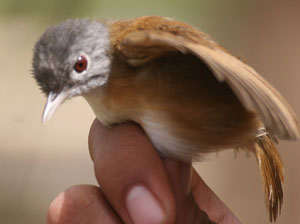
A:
(137, 186)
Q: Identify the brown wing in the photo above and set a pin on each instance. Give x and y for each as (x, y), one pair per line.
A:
(151, 37)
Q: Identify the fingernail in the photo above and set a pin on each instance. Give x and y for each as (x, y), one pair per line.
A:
(143, 207)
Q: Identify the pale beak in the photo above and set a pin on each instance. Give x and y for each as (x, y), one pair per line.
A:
(53, 102)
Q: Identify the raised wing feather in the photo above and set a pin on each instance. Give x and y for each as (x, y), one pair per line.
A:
(254, 92)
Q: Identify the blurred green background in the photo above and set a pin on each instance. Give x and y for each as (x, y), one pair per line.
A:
(38, 162)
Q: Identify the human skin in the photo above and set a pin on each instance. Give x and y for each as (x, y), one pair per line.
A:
(137, 186)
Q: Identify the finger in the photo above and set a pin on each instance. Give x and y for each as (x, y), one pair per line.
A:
(209, 202)
(82, 204)
(131, 174)
(187, 211)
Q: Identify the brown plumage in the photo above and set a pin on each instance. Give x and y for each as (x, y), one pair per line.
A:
(214, 103)
(190, 95)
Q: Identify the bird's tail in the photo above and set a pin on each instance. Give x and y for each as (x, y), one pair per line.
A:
(271, 169)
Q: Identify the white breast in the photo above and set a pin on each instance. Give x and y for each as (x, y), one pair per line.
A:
(157, 127)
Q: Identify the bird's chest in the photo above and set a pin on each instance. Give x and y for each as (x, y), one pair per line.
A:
(157, 124)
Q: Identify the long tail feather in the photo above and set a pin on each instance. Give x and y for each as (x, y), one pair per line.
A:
(271, 169)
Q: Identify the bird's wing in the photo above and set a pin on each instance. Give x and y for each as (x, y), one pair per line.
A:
(254, 92)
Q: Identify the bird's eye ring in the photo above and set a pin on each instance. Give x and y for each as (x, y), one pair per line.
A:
(81, 64)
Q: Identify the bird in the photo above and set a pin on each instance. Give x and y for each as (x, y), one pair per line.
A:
(189, 94)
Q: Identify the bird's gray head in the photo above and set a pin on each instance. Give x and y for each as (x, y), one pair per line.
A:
(71, 59)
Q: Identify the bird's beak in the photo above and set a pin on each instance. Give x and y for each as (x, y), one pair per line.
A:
(53, 102)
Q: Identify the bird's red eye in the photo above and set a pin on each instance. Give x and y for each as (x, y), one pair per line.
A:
(81, 64)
